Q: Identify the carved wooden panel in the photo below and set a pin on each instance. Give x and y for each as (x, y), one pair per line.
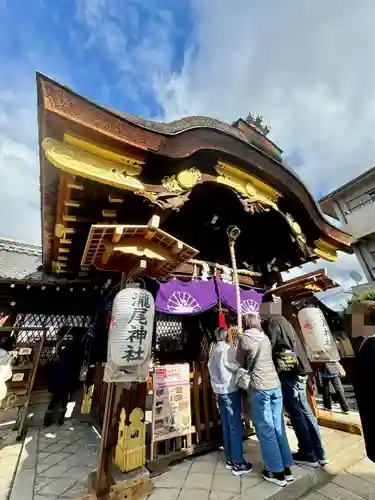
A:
(61, 101)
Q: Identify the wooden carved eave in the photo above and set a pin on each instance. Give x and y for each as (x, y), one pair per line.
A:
(307, 284)
(117, 247)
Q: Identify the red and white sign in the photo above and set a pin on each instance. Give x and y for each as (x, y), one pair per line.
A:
(172, 400)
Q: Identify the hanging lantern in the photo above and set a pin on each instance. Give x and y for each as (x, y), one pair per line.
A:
(130, 331)
(130, 336)
(319, 342)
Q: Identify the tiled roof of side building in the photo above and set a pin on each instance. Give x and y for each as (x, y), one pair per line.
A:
(19, 260)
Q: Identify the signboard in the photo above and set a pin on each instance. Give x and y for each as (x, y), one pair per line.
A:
(319, 342)
(172, 401)
(25, 351)
(18, 377)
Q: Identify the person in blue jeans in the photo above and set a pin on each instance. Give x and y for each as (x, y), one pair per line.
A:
(254, 353)
(294, 379)
(223, 369)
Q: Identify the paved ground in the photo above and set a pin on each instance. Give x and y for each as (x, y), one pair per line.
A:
(205, 478)
(8, 464)
(55, 463)
(354, 483)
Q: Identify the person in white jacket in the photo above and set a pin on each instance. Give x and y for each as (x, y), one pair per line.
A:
(223, 369)
(5, 372)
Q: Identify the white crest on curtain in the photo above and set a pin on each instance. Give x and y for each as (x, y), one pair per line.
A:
(226, 275)
(206, 272)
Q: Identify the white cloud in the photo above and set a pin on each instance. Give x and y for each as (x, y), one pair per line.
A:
(20, 197)
(305, 66)
(136, 39)
(20, 216)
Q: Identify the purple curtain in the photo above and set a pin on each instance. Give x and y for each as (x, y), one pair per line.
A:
(250, 300)
(180, 297)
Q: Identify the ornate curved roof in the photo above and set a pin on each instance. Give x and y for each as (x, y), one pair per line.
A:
(178, 126)
(182, 141)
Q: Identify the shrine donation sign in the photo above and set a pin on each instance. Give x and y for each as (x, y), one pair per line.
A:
(130, 336)
(319, 342)
(172, 401)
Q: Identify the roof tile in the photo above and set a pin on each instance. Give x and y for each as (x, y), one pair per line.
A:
(18, 260)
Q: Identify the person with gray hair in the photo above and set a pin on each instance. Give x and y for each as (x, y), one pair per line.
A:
(223, 369)
(254, 354)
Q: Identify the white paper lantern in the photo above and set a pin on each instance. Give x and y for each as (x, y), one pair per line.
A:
(130, 331)
(319, 342)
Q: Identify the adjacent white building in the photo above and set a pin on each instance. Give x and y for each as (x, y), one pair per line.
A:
(353, 204)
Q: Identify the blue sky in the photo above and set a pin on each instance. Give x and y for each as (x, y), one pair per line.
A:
(106, 56)
(307, 70)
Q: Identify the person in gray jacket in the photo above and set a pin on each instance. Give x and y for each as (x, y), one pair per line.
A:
(254, 353)
(223, 369)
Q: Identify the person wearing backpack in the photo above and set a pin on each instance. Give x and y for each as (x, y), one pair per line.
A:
(259, 377)
(293, 368)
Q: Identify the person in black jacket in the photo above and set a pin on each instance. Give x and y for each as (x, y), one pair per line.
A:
(65, 380)
(364, 383)
(294, 368)
(330, 375)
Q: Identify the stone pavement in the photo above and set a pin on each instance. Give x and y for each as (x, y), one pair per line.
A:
(8, 464)
(205, 477)
(55, 462)
(354, 483)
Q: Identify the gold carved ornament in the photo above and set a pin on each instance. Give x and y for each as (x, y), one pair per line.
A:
(299, 236)
(183, 181)
(259, 196)
(248, 186)
(325, 250)
(313, 287)
(76, 161)
(138, 247)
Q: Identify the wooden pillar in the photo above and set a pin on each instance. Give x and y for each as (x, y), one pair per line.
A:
(117, 398)
(102, 481)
